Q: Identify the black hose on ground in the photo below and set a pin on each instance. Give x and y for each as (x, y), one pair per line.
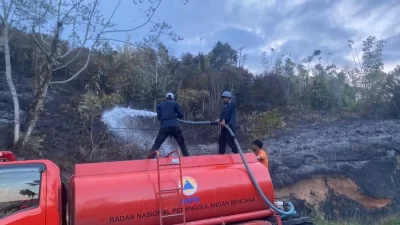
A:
(281, 212)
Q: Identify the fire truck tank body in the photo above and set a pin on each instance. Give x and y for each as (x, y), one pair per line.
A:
(127, 192)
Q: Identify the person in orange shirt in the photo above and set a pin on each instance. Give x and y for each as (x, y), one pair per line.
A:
(257, 147)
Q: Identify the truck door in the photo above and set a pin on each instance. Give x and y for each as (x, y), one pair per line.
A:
(22, 194)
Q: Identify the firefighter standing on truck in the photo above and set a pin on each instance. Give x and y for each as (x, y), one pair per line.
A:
(167, 113)
(227, 117)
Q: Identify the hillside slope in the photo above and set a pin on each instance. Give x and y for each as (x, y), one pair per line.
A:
(350, 169)
(347, 169)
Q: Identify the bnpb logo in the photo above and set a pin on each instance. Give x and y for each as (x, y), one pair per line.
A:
(189, 185)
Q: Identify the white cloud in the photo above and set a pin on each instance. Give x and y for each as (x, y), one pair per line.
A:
(382, 22)
(251, 14)
(250, 4)
(391, 65)
(276, 44)
(195, 41)
(254, 70)
(295, 26)
(294, 3)
(286, 6)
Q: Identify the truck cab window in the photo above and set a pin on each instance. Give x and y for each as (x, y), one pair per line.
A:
(19, 188)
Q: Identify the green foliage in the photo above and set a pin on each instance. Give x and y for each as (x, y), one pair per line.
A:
(193, 102)
(264, 123)
(372, 57)
(392, 95)
(36, 142)
(140, 75)
(321, 95)
(369, 78)
(89, 109)
(390, 221)
(143, 75)
(93, 104)
(223, 56)
(349, 98)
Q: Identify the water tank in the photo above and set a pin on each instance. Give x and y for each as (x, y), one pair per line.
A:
(126, 192)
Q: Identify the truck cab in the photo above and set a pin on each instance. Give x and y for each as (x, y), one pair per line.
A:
(31, 192)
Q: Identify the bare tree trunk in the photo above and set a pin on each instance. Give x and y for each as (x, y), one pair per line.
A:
(285, 86)
(203, 109)
(11, 84)
(155, 110)
(338, 96)
(43, 85)
(287, 93)
(156, 78)
(37, 107)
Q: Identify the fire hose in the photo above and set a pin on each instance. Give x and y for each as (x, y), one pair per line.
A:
(281, 212)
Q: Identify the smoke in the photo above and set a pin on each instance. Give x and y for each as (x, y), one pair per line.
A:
(133, 126)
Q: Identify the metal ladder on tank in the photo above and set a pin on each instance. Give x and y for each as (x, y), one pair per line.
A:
(174, 163)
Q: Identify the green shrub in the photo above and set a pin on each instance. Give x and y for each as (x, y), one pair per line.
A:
(264, 123)
(390, 221)
(93, 104)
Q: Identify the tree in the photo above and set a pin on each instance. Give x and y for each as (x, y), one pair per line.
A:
(374, 77)
(392, 94)
(77, 14)
(239, 81)
(321, 97)
(265, 62)
(38, 13)
(191, 72)
(241, 58)
(337, 83)
(125, 76)
(193, 102)
(159, 70)
(286, 75)
(303, 81)
(368, 76)
(28, 193)
(7, 22)
(222, 56)
(305, 75)
(89, 110)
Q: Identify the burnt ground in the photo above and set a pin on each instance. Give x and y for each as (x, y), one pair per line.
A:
(56, 135)
(344, 169)
(348, 169)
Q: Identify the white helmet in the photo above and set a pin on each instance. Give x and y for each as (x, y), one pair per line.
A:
(226, 94)
(169, 95)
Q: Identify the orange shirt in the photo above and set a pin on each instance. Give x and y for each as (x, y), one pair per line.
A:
(264, 157)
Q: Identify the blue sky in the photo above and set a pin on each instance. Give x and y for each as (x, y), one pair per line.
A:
(295, 27)
(13, 181)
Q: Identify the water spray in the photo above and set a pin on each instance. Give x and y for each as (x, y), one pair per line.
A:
(126, 124)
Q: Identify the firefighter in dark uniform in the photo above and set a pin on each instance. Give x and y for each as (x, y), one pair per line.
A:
(167, 113)
(227, 117)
